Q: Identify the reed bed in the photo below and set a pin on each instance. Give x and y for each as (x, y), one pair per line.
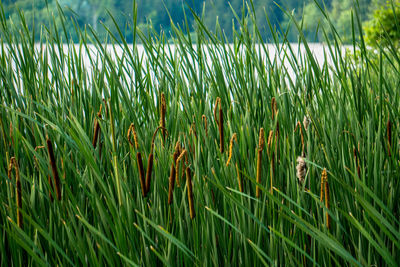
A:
(110, 212)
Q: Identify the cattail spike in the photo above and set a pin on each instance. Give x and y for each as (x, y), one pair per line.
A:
(261, 139)
(261, 143)
(301, 170)
(234, 138)
(204, 119)
(96, 128)
(178, 160)
(131, 130)
(328, 221)
(239, 178)
(273, 108)
(323, 179)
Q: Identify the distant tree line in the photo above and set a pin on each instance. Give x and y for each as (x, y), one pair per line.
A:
(79, 14)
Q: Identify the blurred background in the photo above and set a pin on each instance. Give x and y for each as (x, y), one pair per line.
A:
(80, 13)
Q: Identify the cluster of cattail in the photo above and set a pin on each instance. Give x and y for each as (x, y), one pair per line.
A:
(14, 164)
(220, 123)
(172, 175)
(261, 143)
(325, 188)
(53, 166)
(139, 160)
(144, 182)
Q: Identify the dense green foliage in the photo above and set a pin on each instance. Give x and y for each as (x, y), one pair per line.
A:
(94, 12)
(50, 90)
(384, 27)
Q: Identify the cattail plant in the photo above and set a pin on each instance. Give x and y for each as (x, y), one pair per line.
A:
(274, 115)
(233, 138)
(14, 164)
(190, 192)
(273, 108)
(163, 109)
(328, 219)
(139, 160)
(239, 178)
(389, 136)
(173, 174)
(325, 188)
(272, 158)
(150, 161)
(301, 170)
(53, 166)
(220, 123)
(324, 177)
(96, 128)
(261, 143)
(178, 160)
(204, 119)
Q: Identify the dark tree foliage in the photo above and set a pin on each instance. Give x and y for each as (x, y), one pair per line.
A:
(216, 14)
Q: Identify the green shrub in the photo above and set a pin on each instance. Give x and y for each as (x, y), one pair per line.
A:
(384, 25)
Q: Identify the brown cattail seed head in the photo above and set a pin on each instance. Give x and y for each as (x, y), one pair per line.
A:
(261, 139)
(14, 163)
(148, 172)
(234, 138)
(132, 131)
(178, 160)
(204, 119)
(96, 128)
(273, 108)
(270, 140)
(217, 102)
(324, 177)
(301, 170)
(328, 221)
